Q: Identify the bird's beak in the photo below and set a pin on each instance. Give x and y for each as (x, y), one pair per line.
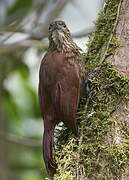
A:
(56, 27)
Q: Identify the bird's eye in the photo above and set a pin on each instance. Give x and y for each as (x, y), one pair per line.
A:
(64, 26)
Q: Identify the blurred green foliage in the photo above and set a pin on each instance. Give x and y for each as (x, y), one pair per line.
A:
(19, 131)
(21, 50)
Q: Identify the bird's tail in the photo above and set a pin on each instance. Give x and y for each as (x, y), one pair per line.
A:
(47, 151)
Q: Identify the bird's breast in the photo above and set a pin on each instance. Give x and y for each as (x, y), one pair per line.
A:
(56, 67)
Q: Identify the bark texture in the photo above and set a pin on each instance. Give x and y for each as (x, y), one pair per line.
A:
(121, 57)
(121, 61)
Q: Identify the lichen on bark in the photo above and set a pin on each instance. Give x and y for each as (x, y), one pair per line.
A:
(101, 150)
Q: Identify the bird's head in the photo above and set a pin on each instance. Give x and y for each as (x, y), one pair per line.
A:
(58, 32)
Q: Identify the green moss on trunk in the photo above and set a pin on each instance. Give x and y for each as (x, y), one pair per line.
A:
(94, 154)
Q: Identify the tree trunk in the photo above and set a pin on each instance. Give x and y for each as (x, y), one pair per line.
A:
(102, 149)
(121, 61)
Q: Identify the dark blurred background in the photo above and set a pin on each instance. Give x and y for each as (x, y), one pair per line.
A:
(23, 41)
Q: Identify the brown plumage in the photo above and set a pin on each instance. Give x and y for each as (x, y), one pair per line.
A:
(60, 77)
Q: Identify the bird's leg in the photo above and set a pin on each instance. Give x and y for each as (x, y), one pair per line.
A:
(90, 76)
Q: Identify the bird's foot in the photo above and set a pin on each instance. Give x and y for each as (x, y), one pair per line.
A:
(90, 76)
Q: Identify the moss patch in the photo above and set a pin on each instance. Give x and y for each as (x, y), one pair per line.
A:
(96, 154)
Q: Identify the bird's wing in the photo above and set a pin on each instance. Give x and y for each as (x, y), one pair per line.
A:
(65, 97)
(61, 82)
(49, 122)
(44, 97)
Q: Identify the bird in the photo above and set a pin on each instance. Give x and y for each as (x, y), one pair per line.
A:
(60, 77)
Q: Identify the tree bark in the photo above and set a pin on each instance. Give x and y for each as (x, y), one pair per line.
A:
(121, 57)
(121, 61)
(101, 151)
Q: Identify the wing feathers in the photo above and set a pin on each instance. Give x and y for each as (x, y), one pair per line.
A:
(65, 103)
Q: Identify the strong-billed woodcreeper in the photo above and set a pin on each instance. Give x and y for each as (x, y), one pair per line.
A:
(60, 77)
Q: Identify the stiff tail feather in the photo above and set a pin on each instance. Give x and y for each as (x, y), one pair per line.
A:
(51, 166)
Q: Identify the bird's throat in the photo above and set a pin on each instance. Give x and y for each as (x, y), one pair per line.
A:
(63, 43)
(58, 37)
